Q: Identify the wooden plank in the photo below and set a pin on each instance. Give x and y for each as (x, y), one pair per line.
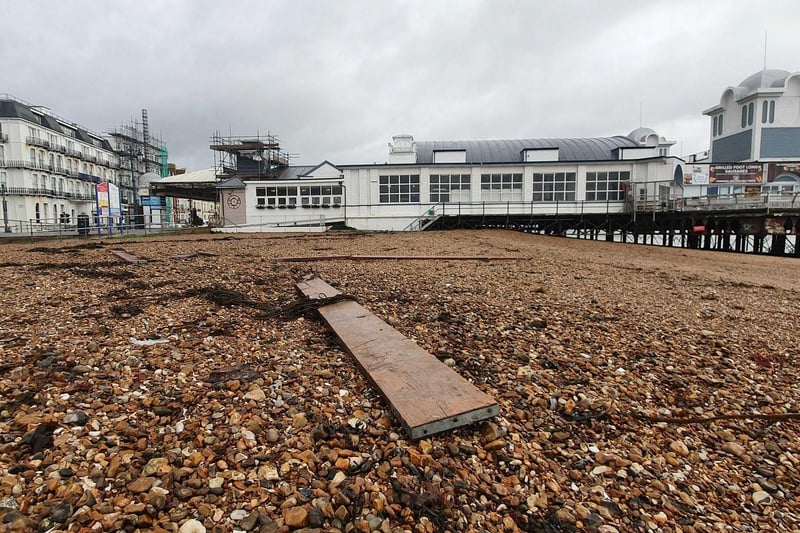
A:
(122, 254)
(306, 259)
(426, 396)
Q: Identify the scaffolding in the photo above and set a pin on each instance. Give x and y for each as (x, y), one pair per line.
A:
(248, 157)
(139, 153)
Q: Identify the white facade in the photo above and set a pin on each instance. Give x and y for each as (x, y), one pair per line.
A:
(49, 166)
(605, 175)
(754, 139)
(758, 120)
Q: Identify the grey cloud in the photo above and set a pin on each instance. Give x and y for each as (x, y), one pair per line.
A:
(336, 79)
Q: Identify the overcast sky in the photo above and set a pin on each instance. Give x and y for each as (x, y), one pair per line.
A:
(336, 79)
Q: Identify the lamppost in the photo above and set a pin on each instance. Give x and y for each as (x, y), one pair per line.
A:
(5, 209)
(344, 199)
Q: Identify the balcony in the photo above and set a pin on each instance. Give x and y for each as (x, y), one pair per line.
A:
(36, 141)
(50, 193)
(33, 165)
(59, 148)
(73, 153)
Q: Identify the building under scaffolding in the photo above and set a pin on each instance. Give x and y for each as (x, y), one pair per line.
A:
(142, 157)
(249, 158)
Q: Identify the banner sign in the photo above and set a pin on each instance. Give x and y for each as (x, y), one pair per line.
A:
(774, 170)
(108, 200)
(736, 173)
(695, 175)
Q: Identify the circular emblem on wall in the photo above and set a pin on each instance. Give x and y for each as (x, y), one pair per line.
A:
(234, 201)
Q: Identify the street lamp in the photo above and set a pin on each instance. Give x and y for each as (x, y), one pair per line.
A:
(5, 209)
(344, 199)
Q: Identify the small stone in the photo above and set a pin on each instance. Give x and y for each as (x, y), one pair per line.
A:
(248, 523)
(299, 420)
(255, 394)
(268, 472)
(215, 485)
(762, 497)
(490, 432)
(315, 518)
(495, 445)
(238, 514)
(192, 526)
(75, 418)
(273, 435)
(141, 484)
(156, 466)
(734, 448)
(61, 512)
(566, 516)
(679, 447)
(600, 470)
(296, 517)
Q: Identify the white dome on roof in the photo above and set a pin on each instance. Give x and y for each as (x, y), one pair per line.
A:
(764, 79)
(640, 134)
(645, 137)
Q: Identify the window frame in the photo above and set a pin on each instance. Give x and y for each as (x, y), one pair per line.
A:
(608, 192)
(399, 189)
(552, 187)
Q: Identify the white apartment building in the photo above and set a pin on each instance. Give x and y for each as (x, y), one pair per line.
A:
(50, 166)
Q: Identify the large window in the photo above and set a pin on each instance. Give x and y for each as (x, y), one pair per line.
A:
(2, 154)
(321, 195)
(399, 189)
(450, 187)
(272, 196)
(554, 187)
(606, 186)
(501, 187)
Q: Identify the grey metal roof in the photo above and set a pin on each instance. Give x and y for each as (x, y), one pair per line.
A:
(510, 150)
(12, 109)
(293, 173)
(231, 183)
(51, 123)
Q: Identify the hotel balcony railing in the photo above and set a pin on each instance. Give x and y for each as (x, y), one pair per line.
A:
(36, 141)
(51, 193)
(33, 165)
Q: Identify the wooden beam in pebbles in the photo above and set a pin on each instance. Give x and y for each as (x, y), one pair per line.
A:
(306, 259)
(426, 396)
(130, 258)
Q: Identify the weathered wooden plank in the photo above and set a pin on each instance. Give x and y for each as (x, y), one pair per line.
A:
(306, 259)
(425, 395)
(122, 254)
